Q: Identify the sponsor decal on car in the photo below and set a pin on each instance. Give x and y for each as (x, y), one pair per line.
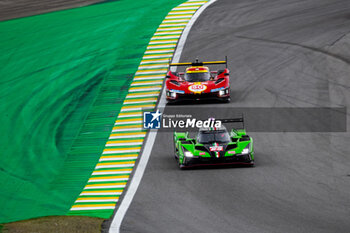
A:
(197, 87)
(217, 89)
(177, 91)
(216, 148)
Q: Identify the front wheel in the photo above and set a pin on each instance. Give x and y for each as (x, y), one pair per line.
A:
(170, 101)
(181, 166)
(252, 164)
(226, 100)
(175, 151)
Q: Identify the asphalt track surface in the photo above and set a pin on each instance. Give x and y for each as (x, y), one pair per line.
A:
(282, 53)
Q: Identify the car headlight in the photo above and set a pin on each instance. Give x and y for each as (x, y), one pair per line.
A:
(188, 154)
(223, 92)
(246, 150)
(171, 93)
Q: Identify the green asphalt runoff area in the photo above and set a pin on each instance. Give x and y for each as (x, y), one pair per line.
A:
(63, 78)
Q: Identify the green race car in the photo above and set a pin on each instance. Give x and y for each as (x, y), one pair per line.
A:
(214, 146)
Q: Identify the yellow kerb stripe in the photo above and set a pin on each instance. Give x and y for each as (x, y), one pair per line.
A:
(96, 198)
(150, 60)
(159, 45)
(151, 86)
(118, 149)
(128, 126)
(177, 31)
(158, 55)
(181, 15)
(96, 205)
(164, 41)
(187, 6)
(149, 70)
(119, 156)
(182, 11)
(192, 3)
(144, 99)
(140, 105)
(135, 113)
(109, 177)
(149, 75)
(114, 170)
(105, 184)
(127, 134)
(124, 141)
(104, 191)
(131, 119)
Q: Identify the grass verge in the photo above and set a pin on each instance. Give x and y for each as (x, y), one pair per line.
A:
(64, 76)
(54, 224)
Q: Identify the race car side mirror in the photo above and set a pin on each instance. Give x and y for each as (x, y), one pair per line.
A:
(220, 72)
(226, 74)
(167, 76)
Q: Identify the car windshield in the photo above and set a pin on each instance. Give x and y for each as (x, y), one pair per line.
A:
(213, 136)
(197, 77)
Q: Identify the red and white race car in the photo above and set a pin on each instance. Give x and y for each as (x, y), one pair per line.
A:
(198, 82)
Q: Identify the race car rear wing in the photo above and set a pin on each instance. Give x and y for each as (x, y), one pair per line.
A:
(198, 63)
(233, 120)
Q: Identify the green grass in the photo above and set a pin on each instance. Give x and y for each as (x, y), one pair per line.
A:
(63, 78)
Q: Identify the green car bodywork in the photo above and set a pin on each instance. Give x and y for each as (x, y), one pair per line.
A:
(190, 152)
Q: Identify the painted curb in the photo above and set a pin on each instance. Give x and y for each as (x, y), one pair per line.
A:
(112, 172)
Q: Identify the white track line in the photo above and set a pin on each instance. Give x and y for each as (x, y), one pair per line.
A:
(140, 169)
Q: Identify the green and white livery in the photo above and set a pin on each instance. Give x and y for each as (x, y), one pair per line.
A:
(214, 146)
